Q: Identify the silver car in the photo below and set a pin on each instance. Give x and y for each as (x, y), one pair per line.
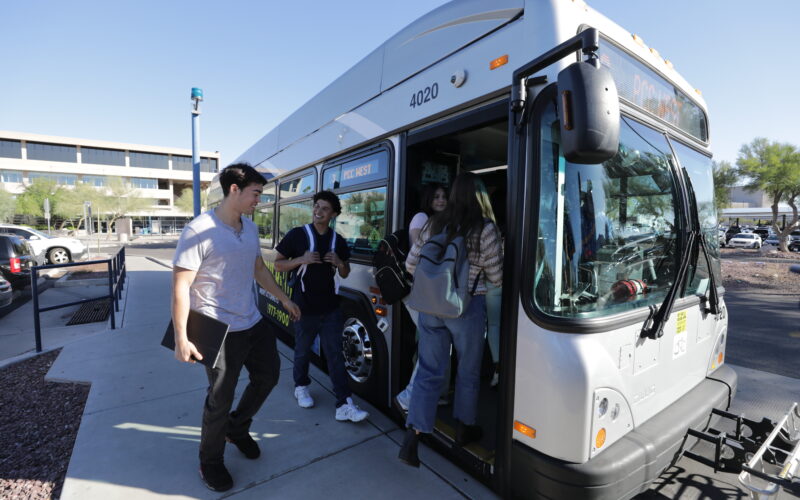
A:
(48, 249)
(6, 296)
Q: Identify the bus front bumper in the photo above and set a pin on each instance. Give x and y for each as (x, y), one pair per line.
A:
(627, 467)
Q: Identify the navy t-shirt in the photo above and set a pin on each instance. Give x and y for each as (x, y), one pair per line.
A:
(320, 295)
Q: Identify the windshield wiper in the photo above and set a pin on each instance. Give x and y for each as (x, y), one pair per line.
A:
(713, 297)
(654, 326)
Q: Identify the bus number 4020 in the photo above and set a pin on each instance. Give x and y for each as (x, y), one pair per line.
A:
(420, 97)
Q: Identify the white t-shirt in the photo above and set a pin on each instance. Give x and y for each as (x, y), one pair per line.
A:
(224, 287)
(418, 222)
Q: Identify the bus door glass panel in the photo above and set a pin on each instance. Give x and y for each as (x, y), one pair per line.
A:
(698, 168)
(294, 215)
(263, 217)
(299, 186)
(362, 222)
(607, 234)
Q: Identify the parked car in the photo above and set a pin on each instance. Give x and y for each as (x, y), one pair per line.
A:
(16, 260)
(763, 233)
(745, 240)
(48, 249)
(772, 240)
(6, 294)
(794, 245)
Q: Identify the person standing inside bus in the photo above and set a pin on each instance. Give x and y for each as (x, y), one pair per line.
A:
(434, 200)
(318, 253)
(217, 258)
(464, 216)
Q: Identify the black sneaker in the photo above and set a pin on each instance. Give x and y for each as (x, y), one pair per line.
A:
(466, 434)
(216, 477)
(246, 445)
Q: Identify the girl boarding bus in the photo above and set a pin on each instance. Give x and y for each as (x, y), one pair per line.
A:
(595, 154)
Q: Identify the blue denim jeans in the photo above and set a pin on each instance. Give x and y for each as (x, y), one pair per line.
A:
(436, 335)
(494, 299)
(329, 327)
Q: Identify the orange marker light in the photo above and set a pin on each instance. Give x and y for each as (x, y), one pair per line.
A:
(500, 61)
(375, 290)
(374, 299)
(380, 311)
(719, 358)
(600, 439)
(524, 429)
(637, 39)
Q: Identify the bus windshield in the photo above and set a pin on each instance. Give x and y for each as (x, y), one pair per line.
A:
(608, 235)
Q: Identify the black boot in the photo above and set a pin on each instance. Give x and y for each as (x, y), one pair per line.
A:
(466, 434)
(408, 452)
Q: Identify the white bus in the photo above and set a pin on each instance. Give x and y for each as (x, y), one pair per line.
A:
(596, 155)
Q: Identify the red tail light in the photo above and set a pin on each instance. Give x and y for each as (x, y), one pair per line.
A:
(16, 267)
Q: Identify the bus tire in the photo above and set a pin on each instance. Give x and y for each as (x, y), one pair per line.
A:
(365, 353)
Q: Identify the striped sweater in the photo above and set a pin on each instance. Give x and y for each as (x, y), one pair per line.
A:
(490, 258)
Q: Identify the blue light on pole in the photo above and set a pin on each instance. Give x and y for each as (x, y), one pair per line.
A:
(197, 96)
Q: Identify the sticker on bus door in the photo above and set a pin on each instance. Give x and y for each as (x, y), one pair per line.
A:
(679, 342)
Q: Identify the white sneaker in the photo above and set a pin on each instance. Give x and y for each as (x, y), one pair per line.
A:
(349, 411)
(302, 396)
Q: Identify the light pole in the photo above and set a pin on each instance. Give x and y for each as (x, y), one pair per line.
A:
(197, 96)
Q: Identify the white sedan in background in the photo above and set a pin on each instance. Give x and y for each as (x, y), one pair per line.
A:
(745, 240)
(48, 249)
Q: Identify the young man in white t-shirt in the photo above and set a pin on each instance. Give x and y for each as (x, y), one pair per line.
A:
(217, 258)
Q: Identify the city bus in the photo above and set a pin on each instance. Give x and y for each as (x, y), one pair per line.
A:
(596, 155)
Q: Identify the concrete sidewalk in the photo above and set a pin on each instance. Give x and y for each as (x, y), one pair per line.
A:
(140, 430)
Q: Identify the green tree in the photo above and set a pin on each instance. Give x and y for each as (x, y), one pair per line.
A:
(8, 205)
(70, 203)
(185, 202)
(118, 200)
(725, 177)
(775, 169)
(31, 201)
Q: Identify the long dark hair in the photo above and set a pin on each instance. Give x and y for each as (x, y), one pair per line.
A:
(427, 197)
(466, 212)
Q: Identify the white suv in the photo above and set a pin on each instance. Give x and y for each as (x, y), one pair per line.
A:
(55, 250)
(745, 240)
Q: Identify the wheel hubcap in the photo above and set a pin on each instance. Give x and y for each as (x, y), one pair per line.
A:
(357, 348)
(60, 257)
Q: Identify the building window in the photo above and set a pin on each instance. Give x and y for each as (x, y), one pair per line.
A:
(185, 163)
(149, 160)
(163, 203)
(95, 180)
(60, 179)
(52, 152)
(10, 149)
(144, 183)
(208, 165)
(100, 156)
(11, 176)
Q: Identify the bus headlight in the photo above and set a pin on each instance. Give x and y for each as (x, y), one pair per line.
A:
(611, 419)
(718, 354)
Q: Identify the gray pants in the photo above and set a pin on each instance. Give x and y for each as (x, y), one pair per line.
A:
(255, 349)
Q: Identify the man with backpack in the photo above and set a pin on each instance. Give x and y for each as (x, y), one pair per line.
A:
(317, 253)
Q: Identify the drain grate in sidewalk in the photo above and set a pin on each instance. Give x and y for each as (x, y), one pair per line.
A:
(91, 312)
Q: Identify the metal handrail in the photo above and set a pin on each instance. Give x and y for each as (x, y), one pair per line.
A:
(117, 272)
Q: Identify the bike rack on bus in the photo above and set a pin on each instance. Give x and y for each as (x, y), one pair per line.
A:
(766, 459)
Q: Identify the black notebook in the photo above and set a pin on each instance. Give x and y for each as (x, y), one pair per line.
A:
(206, 333)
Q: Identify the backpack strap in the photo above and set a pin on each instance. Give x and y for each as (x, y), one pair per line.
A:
(475, 285)
(301, 272)
(337, 280)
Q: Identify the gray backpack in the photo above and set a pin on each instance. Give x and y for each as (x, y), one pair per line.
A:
(441, 279)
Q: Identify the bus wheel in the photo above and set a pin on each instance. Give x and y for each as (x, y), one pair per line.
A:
(365, 359)
(357, 346)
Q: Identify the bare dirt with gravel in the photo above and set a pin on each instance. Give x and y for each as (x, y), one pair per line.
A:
(39, 421)
(766, 270)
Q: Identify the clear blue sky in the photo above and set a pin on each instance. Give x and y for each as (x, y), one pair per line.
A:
(122, 71)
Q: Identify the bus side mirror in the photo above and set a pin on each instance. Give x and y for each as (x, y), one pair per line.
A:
(589, 113)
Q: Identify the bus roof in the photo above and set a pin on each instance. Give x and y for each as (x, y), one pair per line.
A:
(417, 48)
